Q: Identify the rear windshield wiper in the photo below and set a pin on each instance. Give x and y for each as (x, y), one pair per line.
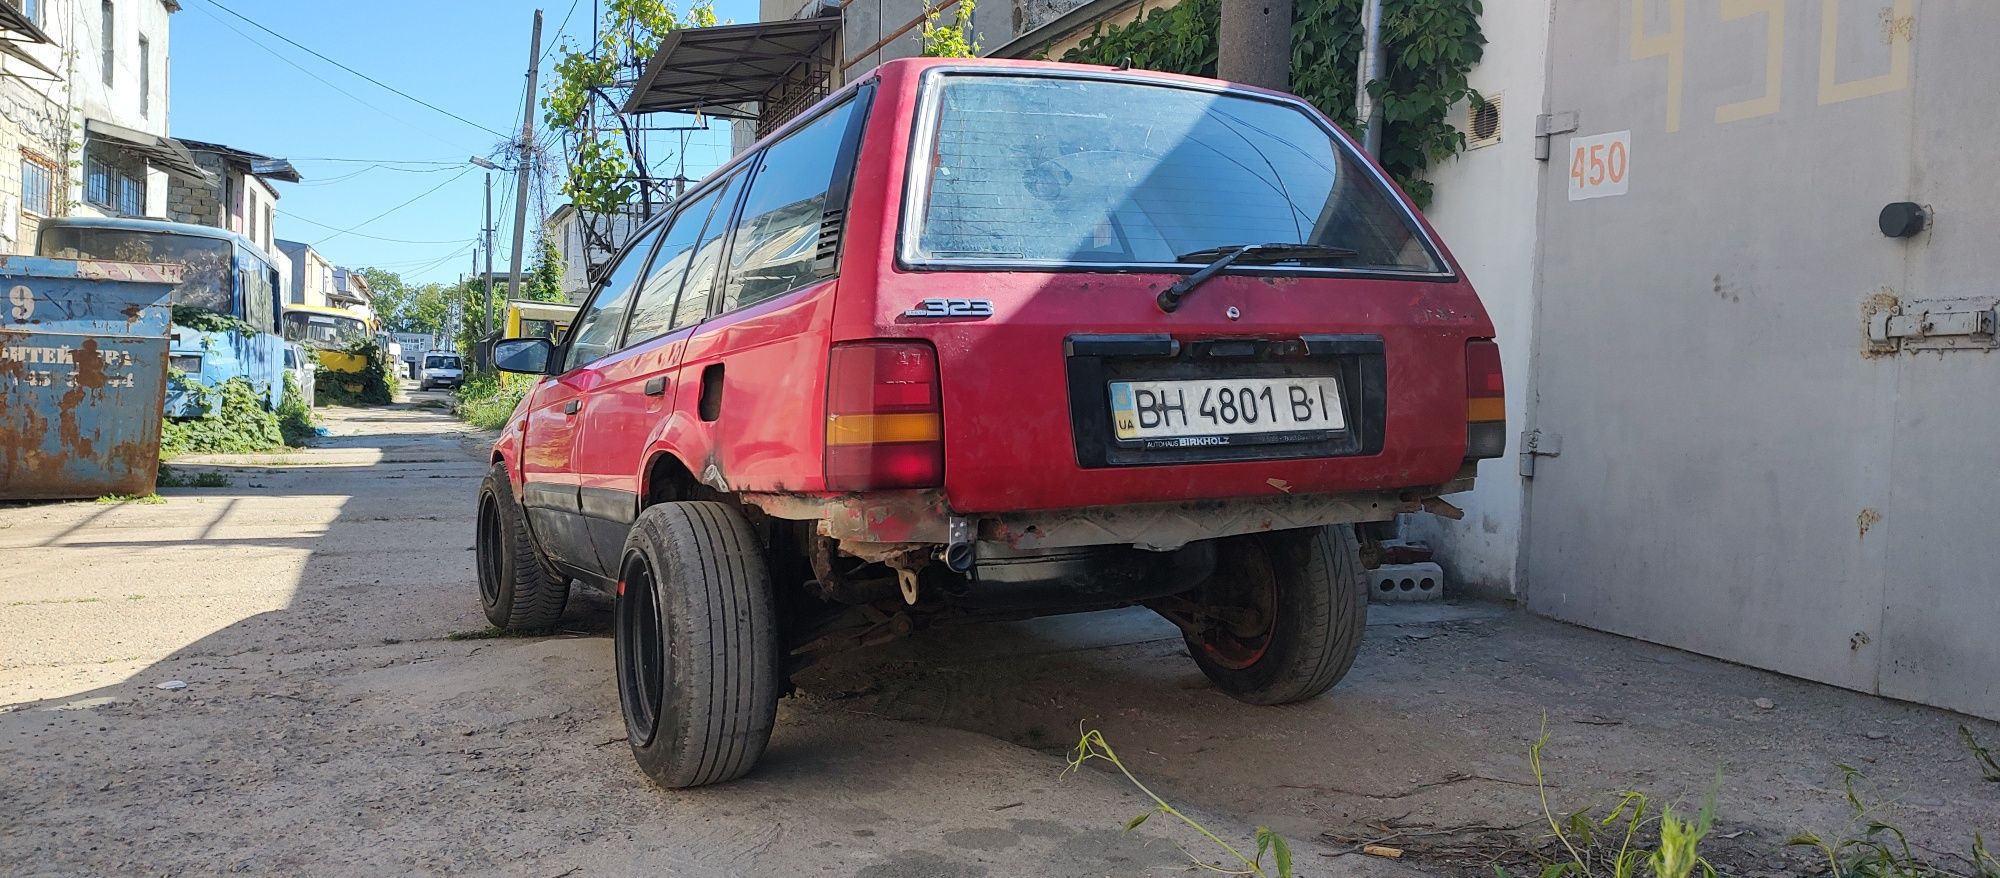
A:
(1219, 258)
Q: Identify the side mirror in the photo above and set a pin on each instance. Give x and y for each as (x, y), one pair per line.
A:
(529, 356)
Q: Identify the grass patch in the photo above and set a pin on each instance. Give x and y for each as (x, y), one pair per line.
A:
(148, 499)
(487, 399)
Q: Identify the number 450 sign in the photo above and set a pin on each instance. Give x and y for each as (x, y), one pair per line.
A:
(1600, 166)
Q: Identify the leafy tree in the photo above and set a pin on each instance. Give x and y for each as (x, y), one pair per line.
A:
(391, 297)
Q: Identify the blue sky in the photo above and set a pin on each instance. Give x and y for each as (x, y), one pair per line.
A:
(465, 56)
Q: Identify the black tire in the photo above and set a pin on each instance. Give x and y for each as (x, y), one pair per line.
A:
(516, 588)
(423, 385)
(696, 636)
(1311, 581)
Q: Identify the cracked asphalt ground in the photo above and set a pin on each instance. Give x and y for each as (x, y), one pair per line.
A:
(330, 725)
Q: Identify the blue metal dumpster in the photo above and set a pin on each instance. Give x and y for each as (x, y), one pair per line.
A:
(83, 374)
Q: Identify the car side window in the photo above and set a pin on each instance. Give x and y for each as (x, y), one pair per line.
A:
(653, 313)
(778, 238)
(707, 259)
(597, 330)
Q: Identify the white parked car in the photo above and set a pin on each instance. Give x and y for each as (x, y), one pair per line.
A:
(440, 370)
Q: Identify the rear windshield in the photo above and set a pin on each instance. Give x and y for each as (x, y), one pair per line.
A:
(440, 362)
(204, 262)
(1060, 170)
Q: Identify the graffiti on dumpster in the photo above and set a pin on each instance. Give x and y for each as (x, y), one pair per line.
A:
(57, 366)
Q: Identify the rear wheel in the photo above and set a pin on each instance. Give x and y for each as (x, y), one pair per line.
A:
(516, 589)
(1282, 618)
(696, 638)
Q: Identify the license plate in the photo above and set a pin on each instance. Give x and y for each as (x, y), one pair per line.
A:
(1218, 409)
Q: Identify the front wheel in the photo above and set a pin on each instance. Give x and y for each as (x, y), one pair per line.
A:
(1281, 620)
(695, 633)
(517, 590)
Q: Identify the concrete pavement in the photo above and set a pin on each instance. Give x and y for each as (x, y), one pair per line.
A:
(331, 724)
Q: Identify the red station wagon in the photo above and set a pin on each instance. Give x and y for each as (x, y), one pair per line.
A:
(986, 340)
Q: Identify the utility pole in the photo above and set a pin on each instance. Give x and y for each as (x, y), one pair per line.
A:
(523, 164)
(488, 306)
(1254, 45)
(1366, 110)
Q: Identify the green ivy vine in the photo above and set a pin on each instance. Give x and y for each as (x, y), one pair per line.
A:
(1431, 45)
(954, 40)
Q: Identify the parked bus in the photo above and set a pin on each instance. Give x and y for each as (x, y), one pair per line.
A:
(329, 332)
(224, 273)
(530, 319)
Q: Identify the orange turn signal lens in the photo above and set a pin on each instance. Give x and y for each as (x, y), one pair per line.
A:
(878, 429)
(1489, 408)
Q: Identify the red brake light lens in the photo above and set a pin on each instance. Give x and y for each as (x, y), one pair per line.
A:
(1485, 400)
(883, 423)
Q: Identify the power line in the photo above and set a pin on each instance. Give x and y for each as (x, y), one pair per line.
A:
(358, 234)
(390, 88)
(323, 80)
(419, 196)
(453, 163)
(345, 177)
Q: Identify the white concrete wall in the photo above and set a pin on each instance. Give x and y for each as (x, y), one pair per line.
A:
(119, 102)
(1485, 206)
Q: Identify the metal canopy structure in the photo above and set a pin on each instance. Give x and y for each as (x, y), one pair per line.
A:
(16, 25)
(715, 70)
(259, 165)
(165, 151)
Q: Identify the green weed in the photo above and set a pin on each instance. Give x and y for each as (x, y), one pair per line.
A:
(1872, 847)
(1614, 846)
(1269, 843)
(148, 499)
(487, 399)
(1988, 767)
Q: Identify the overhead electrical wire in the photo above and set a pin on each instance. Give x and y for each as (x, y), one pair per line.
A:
(454, 178)
(392, 89)
(322, 80)
(287, 213)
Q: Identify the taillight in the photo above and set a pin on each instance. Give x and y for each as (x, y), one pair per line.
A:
(883, 428)
(1485, 400)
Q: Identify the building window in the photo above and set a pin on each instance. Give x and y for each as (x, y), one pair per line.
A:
(107, 41)
(96, 183)
(33, 10)
(38, 186)
(131, 195)
(269, 228)
(145, 77)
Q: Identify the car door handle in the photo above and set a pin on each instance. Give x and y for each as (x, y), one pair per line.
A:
(569, 408)
(656, 386)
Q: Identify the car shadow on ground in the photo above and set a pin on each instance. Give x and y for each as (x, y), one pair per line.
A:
(290, 675)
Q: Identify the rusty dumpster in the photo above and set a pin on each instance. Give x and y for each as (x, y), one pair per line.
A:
(83, 373)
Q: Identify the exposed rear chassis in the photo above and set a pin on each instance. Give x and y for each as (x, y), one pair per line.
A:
(895, 523)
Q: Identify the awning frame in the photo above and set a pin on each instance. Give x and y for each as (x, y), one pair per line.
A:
(164, 151)
(712, 70)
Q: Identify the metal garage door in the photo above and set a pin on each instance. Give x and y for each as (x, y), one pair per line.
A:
(1731, 465)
